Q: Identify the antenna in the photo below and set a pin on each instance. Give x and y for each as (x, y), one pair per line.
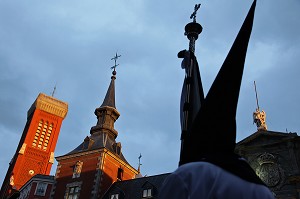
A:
(53, 90)
(256, 96)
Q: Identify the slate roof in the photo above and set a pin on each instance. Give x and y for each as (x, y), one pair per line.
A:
(41, 176)
(98, 141)
(133, 189)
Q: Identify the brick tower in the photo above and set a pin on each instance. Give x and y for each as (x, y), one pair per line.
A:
(91, 168)
(35, 152)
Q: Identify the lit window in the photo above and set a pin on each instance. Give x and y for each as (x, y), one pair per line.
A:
(147, 193)
(114, 196)
(42, 135)
(73, 192)
(41, 189)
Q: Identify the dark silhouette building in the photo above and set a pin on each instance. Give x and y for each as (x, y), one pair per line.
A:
(275, 157)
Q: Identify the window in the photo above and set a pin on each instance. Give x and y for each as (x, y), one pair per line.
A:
(41, 189)
(73, 192)
(120, 174)
(114, 196)
(41, 139)
(147, 193)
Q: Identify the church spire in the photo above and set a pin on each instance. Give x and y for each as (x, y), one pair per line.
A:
(107, 113)
(109, 99)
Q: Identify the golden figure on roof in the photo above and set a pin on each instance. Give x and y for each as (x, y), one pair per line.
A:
(259, 118)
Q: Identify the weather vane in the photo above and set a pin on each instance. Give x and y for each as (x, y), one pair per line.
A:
(115, 58)
(139, 167)
(193, 15)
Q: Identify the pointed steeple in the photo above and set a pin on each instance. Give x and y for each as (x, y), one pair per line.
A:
(109, 99)
(107, 113)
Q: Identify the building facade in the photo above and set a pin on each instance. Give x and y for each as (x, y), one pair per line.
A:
(38, 187)
(275, 157)
(35, 152)
(92, 167)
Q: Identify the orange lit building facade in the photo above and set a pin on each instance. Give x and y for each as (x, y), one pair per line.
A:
(35, 152)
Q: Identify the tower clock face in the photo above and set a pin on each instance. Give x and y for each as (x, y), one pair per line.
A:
(31, 172)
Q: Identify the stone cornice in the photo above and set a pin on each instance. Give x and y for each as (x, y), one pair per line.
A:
(59, 158)
(102, 150)
(50, 105)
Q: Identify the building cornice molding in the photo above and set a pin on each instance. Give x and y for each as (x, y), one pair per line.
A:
(64, 157)
(50, 105)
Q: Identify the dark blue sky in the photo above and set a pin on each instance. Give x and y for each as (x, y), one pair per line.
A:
(70, 44)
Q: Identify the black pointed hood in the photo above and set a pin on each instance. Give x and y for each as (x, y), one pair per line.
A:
(211, 136)
(214, 129)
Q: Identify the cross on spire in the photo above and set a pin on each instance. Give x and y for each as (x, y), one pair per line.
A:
(115, 58)
(193, 15)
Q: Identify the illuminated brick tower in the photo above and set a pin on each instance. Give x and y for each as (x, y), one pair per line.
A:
(91, 168)
(35, 152)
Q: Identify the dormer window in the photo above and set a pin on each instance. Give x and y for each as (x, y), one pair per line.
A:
(147, 193)
(148, 190)
(114, 196)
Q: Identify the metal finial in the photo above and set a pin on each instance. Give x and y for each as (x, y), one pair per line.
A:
(193, 15)
(139, 167)
(114, 67)
(53, 90)
(193, 29)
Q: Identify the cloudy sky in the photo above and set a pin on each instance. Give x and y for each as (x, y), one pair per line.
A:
(70, 44)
